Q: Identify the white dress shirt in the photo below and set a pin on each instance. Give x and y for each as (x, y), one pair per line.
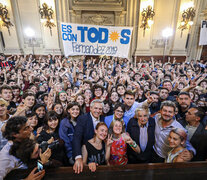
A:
(8, 162)
(143, 138)
(95, 121)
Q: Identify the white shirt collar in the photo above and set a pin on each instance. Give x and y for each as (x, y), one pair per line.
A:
(93, 118)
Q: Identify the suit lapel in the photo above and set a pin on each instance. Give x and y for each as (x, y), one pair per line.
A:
(197, 132)
(90, 126)
(135, 125)
(102, 119)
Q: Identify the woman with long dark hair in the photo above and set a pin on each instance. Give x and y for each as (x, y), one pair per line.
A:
(67, 126)
(58, 108)
(50, 135)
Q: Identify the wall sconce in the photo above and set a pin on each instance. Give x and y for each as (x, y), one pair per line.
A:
(47, 16)
(187, 19)
(4, 19)
(147, 18)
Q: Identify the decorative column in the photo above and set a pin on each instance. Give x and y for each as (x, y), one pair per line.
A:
(117, 18)
(12, 41)
(194, 50)
(78, 16)
(62, 15)
(203, 16)
(132, 21)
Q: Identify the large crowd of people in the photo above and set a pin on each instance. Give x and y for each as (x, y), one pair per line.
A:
(89, 111)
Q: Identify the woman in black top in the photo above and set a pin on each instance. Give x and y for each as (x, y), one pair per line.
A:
(94, 151)
(50, 135)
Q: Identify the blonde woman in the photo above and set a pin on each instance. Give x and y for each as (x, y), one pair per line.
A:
(177, 139)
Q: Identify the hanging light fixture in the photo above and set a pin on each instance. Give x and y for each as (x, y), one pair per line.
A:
(147, 18)
(187, 18)
(47, 16)
(4, 19)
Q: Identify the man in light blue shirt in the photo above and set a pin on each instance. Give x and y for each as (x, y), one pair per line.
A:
(164, 123)
(131, 105)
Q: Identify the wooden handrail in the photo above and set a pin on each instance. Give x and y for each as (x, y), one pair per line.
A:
(191, 170)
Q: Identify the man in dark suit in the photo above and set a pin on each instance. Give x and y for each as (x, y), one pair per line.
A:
(84, 131)
(142, 131)
(196, 132)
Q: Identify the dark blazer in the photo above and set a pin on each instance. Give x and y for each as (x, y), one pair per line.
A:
(199, 142)
(84, 131)
(134, 131)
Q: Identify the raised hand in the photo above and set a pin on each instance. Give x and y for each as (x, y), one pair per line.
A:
(193, 84)
(174, 60)
(127, 138)
(109, 140)
(150, 99)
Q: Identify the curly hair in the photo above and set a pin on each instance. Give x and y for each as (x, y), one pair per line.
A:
(13, 126)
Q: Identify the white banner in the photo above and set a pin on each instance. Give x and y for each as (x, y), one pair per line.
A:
(203, 33)
(81, 39)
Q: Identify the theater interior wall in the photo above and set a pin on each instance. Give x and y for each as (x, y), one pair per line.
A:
(25, 14)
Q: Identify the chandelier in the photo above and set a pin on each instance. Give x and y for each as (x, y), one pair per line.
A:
(47, 16)
(4, 19)
(147, 18)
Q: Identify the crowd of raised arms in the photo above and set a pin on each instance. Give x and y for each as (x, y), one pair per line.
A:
(89, 111)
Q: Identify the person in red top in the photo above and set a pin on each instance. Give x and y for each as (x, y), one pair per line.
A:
(4, 63)
(118, 150)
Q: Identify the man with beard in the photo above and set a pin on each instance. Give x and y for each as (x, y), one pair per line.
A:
(164, 94)
(164, 123)
(155, 105)
(184, 104)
